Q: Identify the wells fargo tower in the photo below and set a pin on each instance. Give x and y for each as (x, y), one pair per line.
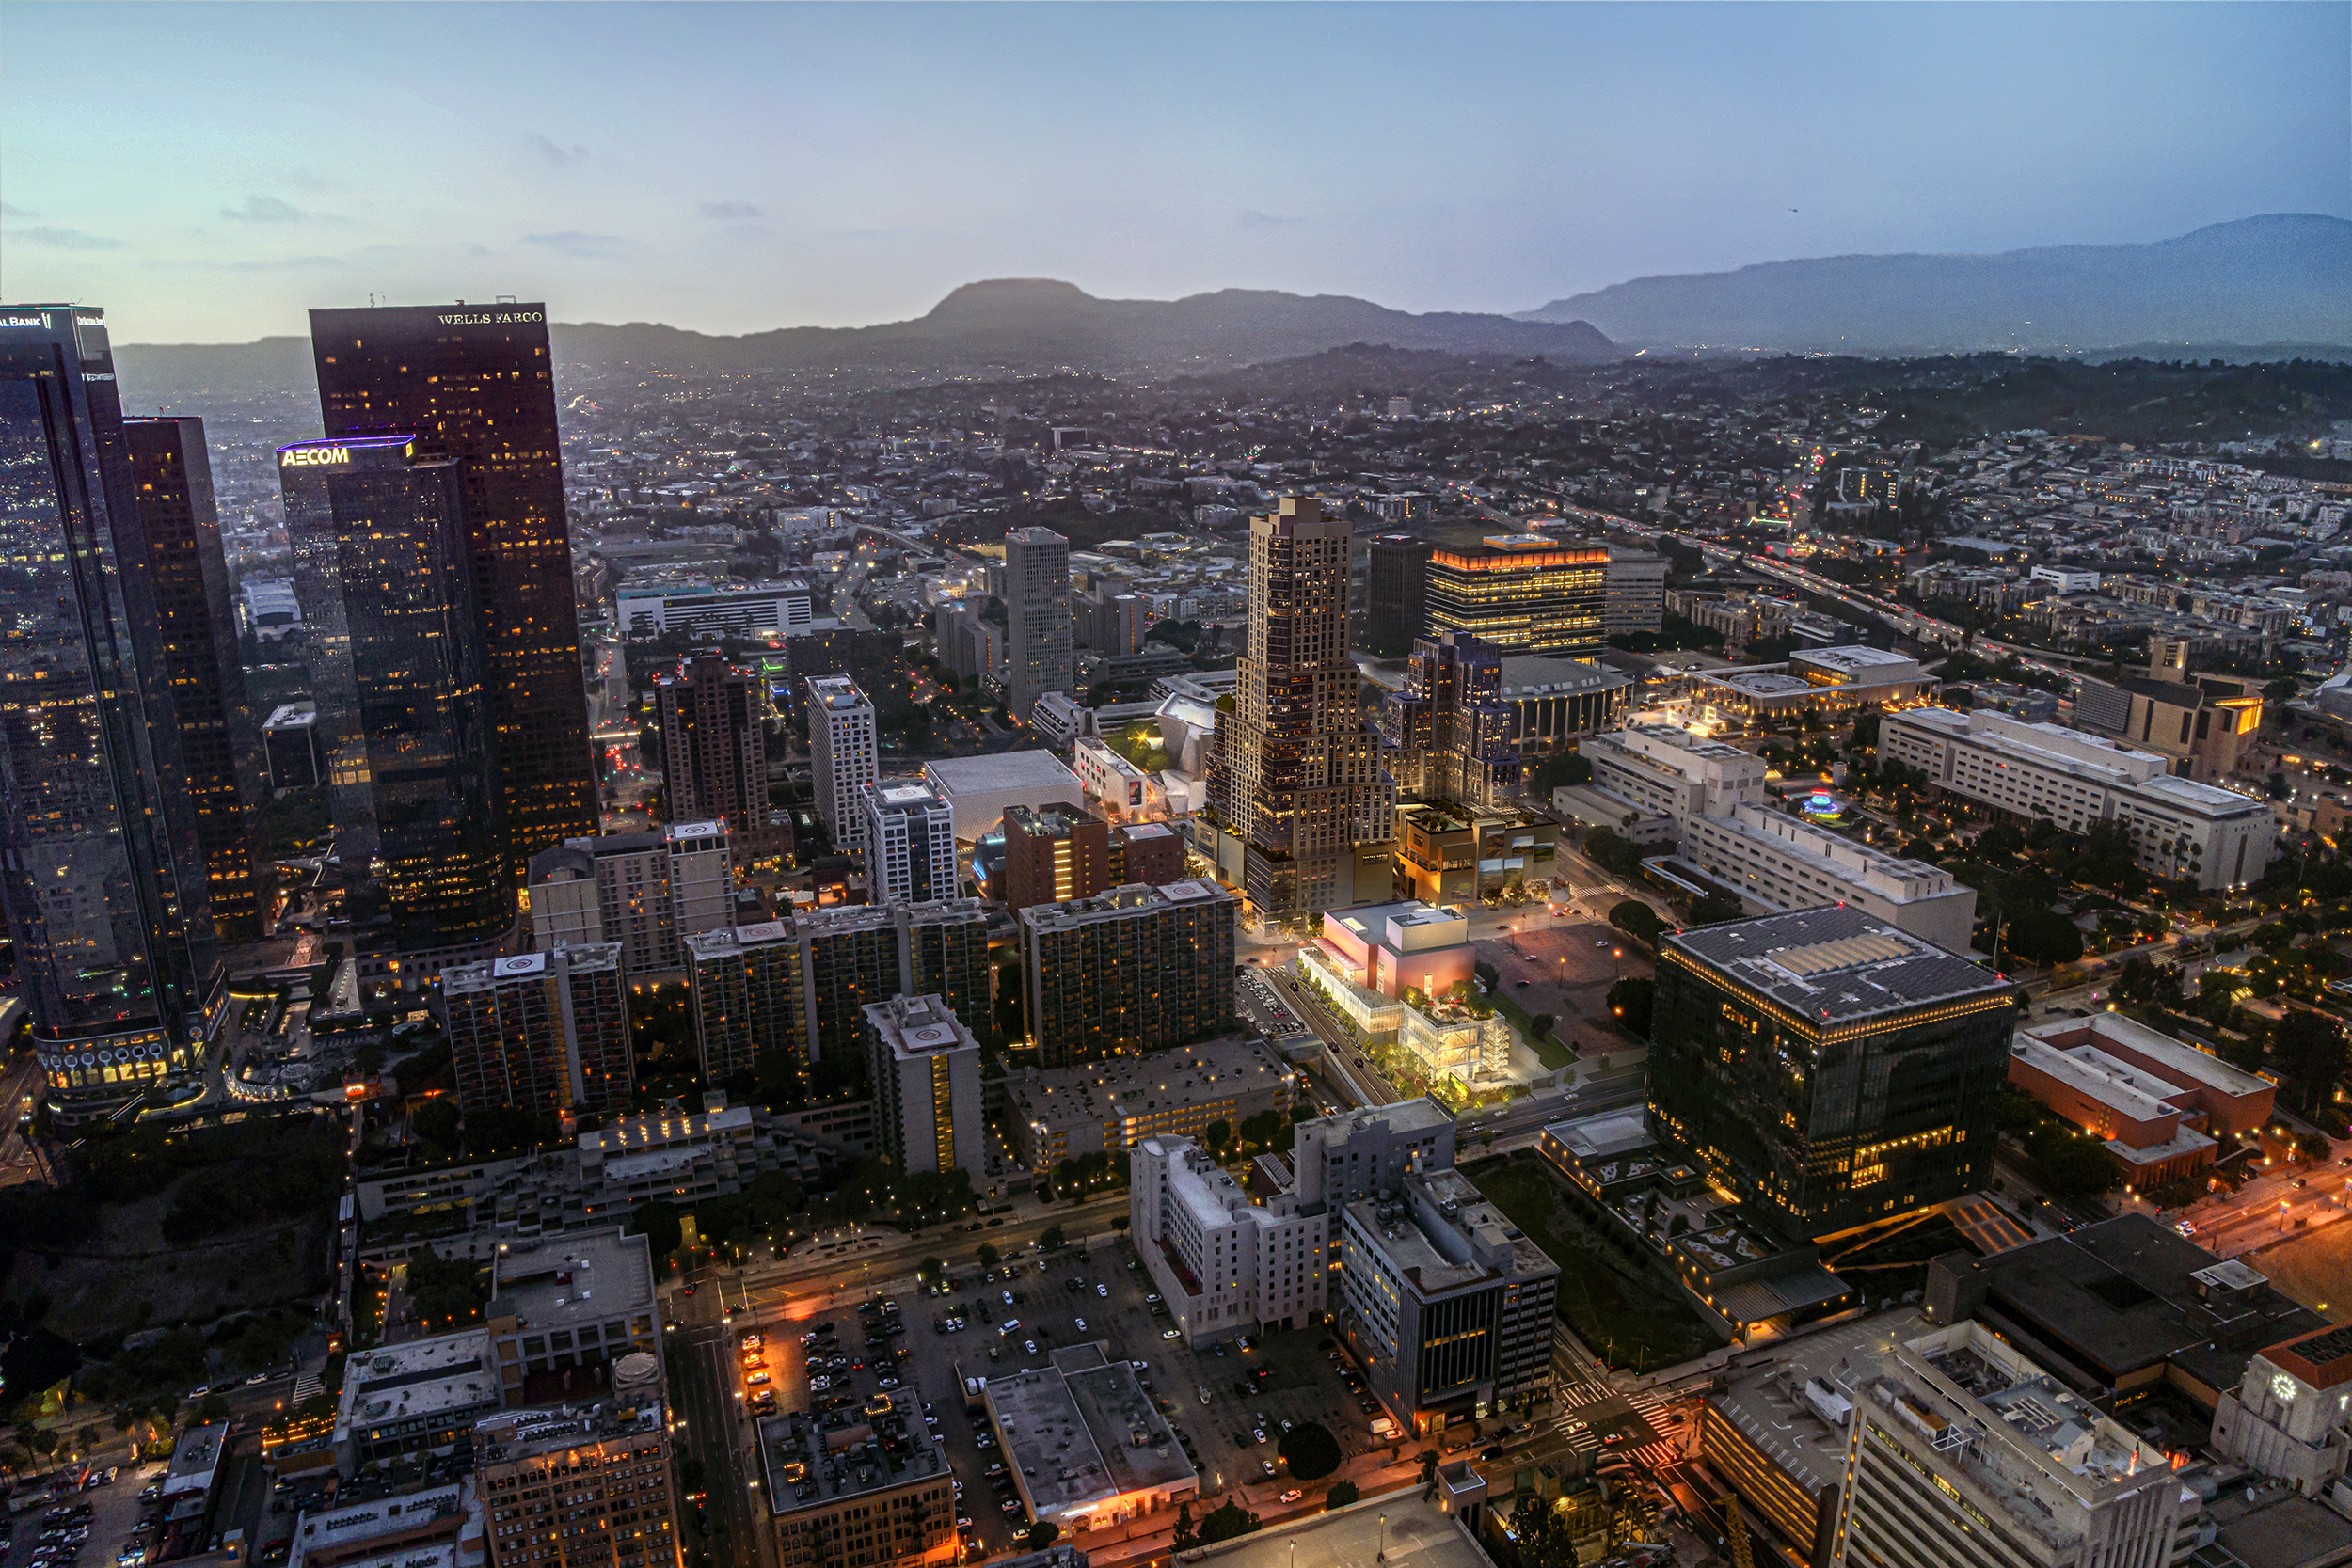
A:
(475, 385)
(1296, 773)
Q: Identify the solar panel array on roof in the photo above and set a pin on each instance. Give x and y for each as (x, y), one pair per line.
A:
(1822, 957)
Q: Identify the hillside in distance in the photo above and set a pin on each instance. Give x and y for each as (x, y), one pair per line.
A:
(2280, 279)
(1018, 327)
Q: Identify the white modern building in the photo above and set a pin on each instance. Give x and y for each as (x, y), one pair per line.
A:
(909, 839)
(2065, 579)
(843, 754)
(710, 611)
(1714, 794)
(925, 1066)
(1225, 1264)
(2182, 828)
(979, 789)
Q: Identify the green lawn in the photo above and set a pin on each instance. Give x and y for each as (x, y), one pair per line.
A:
(1618, 1299)
(1548, 1051)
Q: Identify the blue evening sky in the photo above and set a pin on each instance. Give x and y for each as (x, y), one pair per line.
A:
(206, 172)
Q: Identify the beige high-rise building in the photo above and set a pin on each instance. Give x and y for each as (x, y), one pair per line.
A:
(1296, 775)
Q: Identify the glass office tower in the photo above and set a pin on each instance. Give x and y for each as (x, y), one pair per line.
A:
(102, 884)
(196, 626)
(475, 385)
(383, 569)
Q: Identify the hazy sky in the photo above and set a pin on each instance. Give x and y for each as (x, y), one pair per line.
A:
(208, 172)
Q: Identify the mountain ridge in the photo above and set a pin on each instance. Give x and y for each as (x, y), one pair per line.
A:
(1012, 326)
(2276, 277)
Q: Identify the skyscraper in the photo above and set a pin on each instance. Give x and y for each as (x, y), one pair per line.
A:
(541, 1032)
(1295, 773)
(196, 632)
(1396, 591)
(475, 385)
(644, 890)
(102, 882)
(842, 754)
(925, 1066)
(1038, 655)
(1450, 727)
(910, 843)
(714, 747)
(382, 564)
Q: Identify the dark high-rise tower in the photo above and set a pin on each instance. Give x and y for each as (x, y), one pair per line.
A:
(101, 883)
(197, 636)
(476, 384)
(714, 747)
(1450, 727)
(384, 572)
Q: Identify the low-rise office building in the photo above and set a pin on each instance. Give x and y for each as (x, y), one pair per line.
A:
(676, 1156)
(567, 1487)
(2213, 837)
(425, 1527)
(1085, 1444)
(1225, 1264)
(1449, 1306)
(875, 1492)
(413, 1397)
(2121, 1307)
(563, 1311)
(2150, 1138)
(1450, 854)
(1057, 1114)
(2224, 1100)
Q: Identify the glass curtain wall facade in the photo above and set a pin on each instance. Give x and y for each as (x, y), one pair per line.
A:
(1522, 593)
(1829, 1124)
(1037, 630)
(475, 386)
(101, 880)
(381, 565)
(196, 631)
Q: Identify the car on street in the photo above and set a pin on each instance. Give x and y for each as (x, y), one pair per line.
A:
(1293, 1495)
(1080, 1323)
(1171, 1333)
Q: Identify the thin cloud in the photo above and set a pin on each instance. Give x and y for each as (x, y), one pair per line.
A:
(571, 242)
(9, 212)
(1249, 217)
(558, 155)
(266, 208)
(287, 263)
(729, 212)
(481, 250)
(64, 239)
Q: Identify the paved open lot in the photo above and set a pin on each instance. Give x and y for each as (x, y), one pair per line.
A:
(1566, 970)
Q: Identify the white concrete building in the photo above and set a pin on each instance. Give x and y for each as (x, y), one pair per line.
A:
(843, 754)
(2290, 1415)
(979, 788)
(925, 1066)
(2065, 579)
(1714, 794)
(910, 838)
(1226, 1265)
(2183, 828)
(1963, 1451)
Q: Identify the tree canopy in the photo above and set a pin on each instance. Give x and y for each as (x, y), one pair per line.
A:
(1310, 1450)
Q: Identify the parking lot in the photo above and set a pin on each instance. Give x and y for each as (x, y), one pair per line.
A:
(90, 1528)
(1058, 1300)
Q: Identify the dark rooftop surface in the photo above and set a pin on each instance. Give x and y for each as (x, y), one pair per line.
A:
(2122, 1294)
(1836, 964)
